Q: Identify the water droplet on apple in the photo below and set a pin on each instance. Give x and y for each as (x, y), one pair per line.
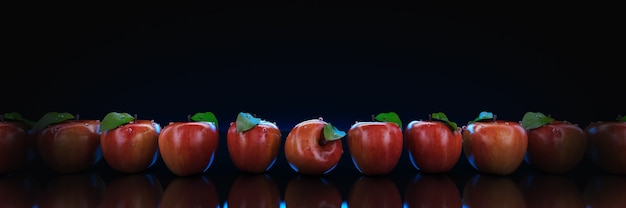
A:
(320, 118)
(232, 123)
(129, 130)
(55, 130)
(264, 129)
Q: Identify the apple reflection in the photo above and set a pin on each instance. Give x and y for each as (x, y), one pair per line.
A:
(254, 190)
(605, 190)
(83, 189)
(19, 191)
(311, 191)
(133, 190)
(432, 190)
(549, 190)
(190, 191)
(374, 191)
(488, 190)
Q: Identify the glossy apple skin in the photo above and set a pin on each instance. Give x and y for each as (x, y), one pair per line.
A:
(70, 146)
(432, 190)
(496, 147)
(131, 147)
(308, 152)
(432, 146)
(311, 191)
(489, 190)
(551, 190)
(607, 145)
(191, 191)
(556, 147)
(84, 189)
(188, 148)
(256, 149)
(375, 147)
(374, 191)
(131, 190)
(256, 190)
(17, 146)
(605, 190)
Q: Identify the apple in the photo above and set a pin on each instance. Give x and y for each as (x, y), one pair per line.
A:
(376, 146)
(311, 191)
(253, 190)
(129, 145)
(434, 145)
(607, 142)
(494, 146)
(605, 190)
(191, 191)
(19, 190)
(84, 189)
(188, 147)
(374, 191)
(130, 190)
(432, 190)
(313, 147)
(17, 144)
(550, 190)
(553, 146)
(66, 143)
(253, 143)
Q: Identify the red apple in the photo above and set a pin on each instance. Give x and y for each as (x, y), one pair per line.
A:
(17, 144)
(549, 190)
(374, 191)
(376, 146)
(553, 146)
(307, 191)
(191, 191)
(253, 144)
(66, 143)
(85, 189)
(254, 190)
(188, 147)
(494, 146)
(313, 147)
(432, 190)
(434, 146)
(19, 191)
(130, 190)
(607, 145)
(490, 190)
(605, 190)
(129, 145)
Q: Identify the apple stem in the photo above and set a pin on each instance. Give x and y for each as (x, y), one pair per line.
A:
(77, 117)
(1, 118)
(188, 117)
(430, 117)
(494, 117)
(135, 116)
(373, 117)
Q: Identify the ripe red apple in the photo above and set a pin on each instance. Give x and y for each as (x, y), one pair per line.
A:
(191, 191)
(19, 190)
(434, 145)
(84, 189)
(374, 191)
(432, 190)
(490, 190)
(66, 143)
(17, 144)
(130, 190)
(550, 190)
(494, 146)
(311, 191)
(313, 147)
(253, 144)
(605, 190)
(188, 147)
(129, 145)
(254, 190)
(607, 145)
(376, 146)
(553, 146)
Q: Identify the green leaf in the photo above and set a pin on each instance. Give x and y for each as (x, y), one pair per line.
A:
(442, 117)
(246, 121)
(533, 120)
(623, 118)
(114, 119)
(389, 117)
(206, 116)
(331, 133)
(484, 116)
(18, 117)
(51, 118)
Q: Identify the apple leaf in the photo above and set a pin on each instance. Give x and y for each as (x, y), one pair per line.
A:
(206, 116)
(246, 121)
(114, 119)
(18, 117)
(51, 118)
(532, 120)
(331, 133)
(442, 117)
(484, 116)
(623, 118)
(389, 117)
